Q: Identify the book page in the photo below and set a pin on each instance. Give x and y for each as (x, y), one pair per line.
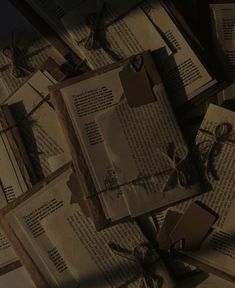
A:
(132, 34)
(19, 276)
(85, 100)
(12, 185)
(41, 132)
(219, 248)
(138, 140)
(7, 253)
(32, 47)
(88, 254)
(183, 72)
(11, 179)
(3, 200)
(214, 281)
(26, 219)
(223, 19)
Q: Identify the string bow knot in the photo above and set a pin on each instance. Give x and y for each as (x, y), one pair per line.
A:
(177, 174)
(210, 149)
(19, 65)
(145, 257)
(96, 38)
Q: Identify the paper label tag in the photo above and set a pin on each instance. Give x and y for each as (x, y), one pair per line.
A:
(193, 227)
(136, 83)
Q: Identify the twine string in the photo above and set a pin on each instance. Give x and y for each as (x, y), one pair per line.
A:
(145, 257)
(210, 149)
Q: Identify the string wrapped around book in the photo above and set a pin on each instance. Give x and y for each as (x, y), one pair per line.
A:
(177, 175)
(209, 150)
(96, 37)
(145, 258)
(28, 115)
(19, 59)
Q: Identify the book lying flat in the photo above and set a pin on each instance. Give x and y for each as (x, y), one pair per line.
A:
(22, 167)
(36, 119)
(216, 143)
(76, 254)
(125, 141)
(127, 28)
(146, 26)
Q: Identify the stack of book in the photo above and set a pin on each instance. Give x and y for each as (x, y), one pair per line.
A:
(101, 182)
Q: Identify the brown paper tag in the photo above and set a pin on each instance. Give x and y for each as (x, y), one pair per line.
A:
(136, 83)
(193, 227)
(171, 219)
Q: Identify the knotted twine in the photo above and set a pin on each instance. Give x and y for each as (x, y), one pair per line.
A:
(176, 175)
(96, 37)
(210, 149)
(145, 258)
(19, 59)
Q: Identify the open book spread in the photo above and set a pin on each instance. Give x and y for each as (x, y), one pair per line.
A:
(218, 249)
(117, 144)
(123, 38)
(84, 243)
(131, 28)
(40, 129)
(25, 220)
(131, 152)
(73, 252)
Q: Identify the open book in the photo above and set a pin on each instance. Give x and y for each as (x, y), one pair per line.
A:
(31, 141)
(145, 25)
(36, 119)
(127, 148)
(130, 27)
(216, 143)
(73, 253)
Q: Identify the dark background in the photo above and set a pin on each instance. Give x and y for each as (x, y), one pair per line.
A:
(197, 14)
